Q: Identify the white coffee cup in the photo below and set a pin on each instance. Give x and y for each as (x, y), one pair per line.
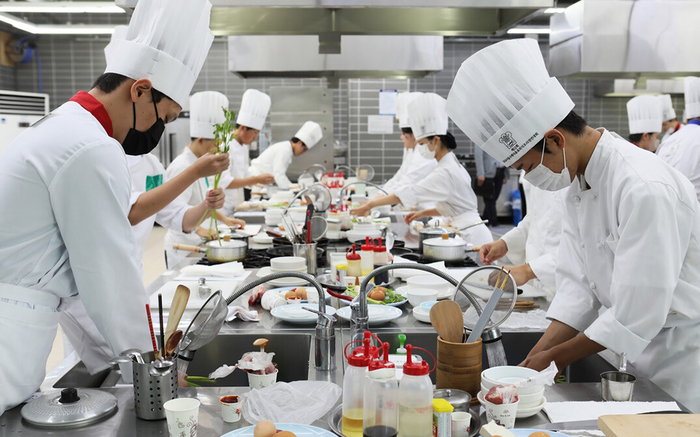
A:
(461, 424)
(182, 415)
(502, 414)
(231, 411)
(272, 299)
(262, 381)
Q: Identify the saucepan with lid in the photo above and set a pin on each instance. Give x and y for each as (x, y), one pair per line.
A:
(226, 250)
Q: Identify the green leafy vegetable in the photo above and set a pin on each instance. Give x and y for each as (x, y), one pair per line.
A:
(391, 296)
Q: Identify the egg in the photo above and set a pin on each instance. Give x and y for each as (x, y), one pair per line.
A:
(300, 292)
(539, 434)
(290, 295)
(285, 434)
(264, 429)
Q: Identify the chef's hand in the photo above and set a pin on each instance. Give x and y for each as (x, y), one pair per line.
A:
(411, 216)
(538, 361)
(494, 251)
(181, 379)
(521, 274)
(363, 210)
(215, 199)
(265, 179)
(480, 180)
(206, 233)
(211, 163)
(234, 223)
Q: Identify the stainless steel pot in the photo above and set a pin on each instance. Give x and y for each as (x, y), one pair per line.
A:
(433, 232)
(226, 251)
(445, 249)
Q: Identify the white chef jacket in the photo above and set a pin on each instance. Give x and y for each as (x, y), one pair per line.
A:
(631, 244)
(536, 238)
(192, 196)
(275, 160)
(64, 190)
(682, 152)
(238, 169)
(417, 168)
(449, 186)
(405, 160)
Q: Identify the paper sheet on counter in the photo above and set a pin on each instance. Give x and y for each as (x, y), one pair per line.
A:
(575, 411)
(218, 272)
(194, 302)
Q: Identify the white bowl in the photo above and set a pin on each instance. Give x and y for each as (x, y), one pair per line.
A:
(263, 238)
(384, 210)
(287, 263)
(509, 375)
(417, 296)
(365, 227)
(526, 400)
(428, 281)
(274, 270)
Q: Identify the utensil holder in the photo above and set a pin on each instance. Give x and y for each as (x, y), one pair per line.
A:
(151, 392)
(459, 366)
(308, 252)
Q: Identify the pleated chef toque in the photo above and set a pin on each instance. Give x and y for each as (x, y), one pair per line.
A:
(255, 106)
(402, 108)
(310, 133)
(668, 112)
(427, 115)
(166, 42)
(504, 99)
(692, 97)
(206, 110)
(644, 114)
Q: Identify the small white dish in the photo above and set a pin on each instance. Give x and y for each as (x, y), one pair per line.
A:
(295, 313)
(445, 294)
(281, 282)
(354, 236)
(378, 314)
(421, 314)
(509, 375)
(417, 296)
(263, 238)
(287, 263)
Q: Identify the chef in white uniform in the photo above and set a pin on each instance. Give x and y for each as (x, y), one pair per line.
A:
(449, 185)
(205, 112)
(65, 188)
(645, 117)
(276, 158)
(670, 124)
(682, 150)
(624, 204)
(414, 166)
(532, 246)
(255, 105)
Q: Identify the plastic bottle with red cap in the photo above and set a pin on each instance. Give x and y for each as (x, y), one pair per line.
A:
(367, 257)
(381, 258)
(415, 397)
(354, 386)
(381, 418)
(354, 262)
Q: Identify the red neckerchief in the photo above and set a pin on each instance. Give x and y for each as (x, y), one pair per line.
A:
(94, 107)
(678, 126)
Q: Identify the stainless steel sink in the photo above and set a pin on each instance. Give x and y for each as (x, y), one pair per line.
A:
(79, 377)
(516, 344)
(292, 352)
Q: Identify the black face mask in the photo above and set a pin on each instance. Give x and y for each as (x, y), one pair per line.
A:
(140, 143)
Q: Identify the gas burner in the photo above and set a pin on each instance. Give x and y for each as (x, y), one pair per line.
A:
(259, 258)
(420, 259)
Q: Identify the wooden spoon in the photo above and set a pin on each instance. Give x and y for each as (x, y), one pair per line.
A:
(172, 343)
(446, 317)
(177, 308)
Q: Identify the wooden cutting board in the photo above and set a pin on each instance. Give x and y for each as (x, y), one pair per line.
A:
(650, 425)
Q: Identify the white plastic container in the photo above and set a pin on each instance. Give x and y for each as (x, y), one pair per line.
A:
(367, 257)
(415, 398)
(354, 388)
(380, 400)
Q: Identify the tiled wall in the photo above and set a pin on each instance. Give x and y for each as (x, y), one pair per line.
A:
(71, 64)
(7, 78)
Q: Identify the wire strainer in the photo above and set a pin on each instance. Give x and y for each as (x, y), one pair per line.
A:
(203, 328)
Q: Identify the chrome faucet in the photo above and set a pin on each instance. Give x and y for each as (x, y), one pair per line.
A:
(344, 189)
(325, 325)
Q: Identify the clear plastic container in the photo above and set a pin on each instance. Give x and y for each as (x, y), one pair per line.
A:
(367, 257)
(380, 418)
(354, 388)
(354, 263)
(415, 398)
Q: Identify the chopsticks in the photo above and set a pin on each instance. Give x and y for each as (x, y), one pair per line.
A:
(162, 331)
(153, 335)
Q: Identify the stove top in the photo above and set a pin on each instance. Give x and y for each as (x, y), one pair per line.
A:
(258, 258)
(420, 259)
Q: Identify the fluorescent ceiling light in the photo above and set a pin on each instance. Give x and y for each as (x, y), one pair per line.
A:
(554, 10)
(522, 30)
(63, 29)
(62, 7)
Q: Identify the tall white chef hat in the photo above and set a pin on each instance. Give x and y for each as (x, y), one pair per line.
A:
(166, 42)
(427, 115)
(255, 106)
(692, 97)
(668, 113)
(644, 114)
(402, 108)
(206, 111)
(504, 99)
(310, 133)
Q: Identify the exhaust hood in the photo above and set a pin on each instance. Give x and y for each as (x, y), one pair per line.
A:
(625, 39)
(636, 87)
(361, 56)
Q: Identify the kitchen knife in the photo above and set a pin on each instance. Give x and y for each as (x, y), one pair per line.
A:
(566, 426)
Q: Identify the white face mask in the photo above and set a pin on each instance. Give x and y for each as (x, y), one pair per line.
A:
(545, 179)
(424, 151)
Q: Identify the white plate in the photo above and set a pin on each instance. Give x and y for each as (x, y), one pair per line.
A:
(263, 238)
(282, 282)
(421, 314)
(441, 295)
(354, 236)
(249, 230)
(298, 429)
(295, 313)
(396, 304)
(522, 413)
(378, 314)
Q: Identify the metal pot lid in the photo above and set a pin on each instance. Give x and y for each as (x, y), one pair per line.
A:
(69, 407)
(429, 230)
(457, 398)
(442, 242)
